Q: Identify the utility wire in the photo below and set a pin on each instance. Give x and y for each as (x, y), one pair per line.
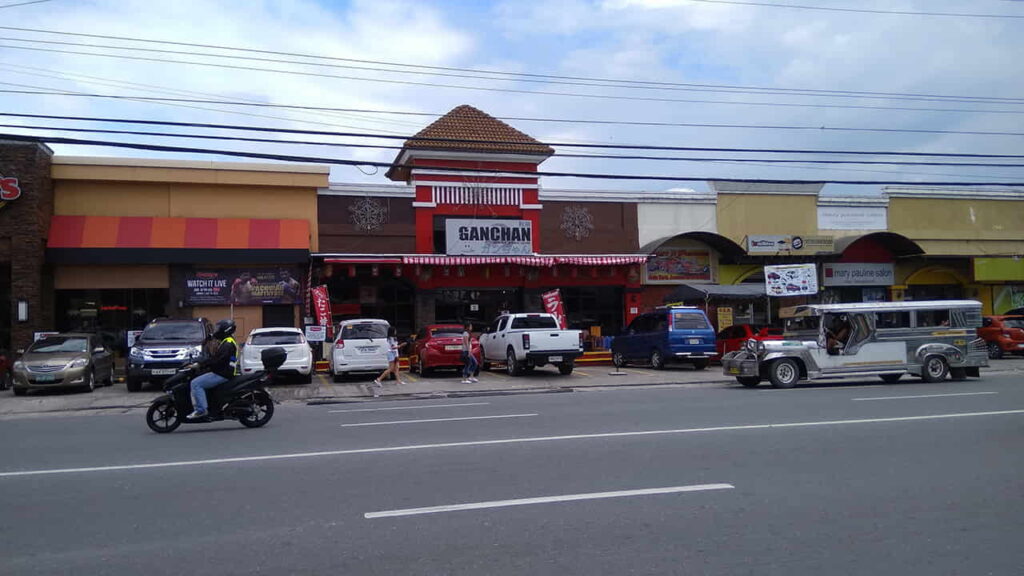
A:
(509, 74)
(510, 90)
(485, 141)
(24, 3)
(557, 155)
(524, 118)
(523, 173)
(858, 10)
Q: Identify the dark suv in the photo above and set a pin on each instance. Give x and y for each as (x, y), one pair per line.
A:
(166, 345)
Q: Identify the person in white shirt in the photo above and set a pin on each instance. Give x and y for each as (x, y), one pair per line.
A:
(468, 360)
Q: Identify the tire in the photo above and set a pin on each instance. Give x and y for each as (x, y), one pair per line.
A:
(994, 351)
(90, 382)
(935, 369)
(749, 381)
(958, 374)
(618, 360)
(421, 368)
(263, 410)
(512, 365)
(162, 416)
(338, 378)
(784, 373)
(891, 378)
(20, 391)
(133, 384)
(565, 369)
(6, 380)
(110, 377)
(657, 360)
(307, 378)
(700, 364)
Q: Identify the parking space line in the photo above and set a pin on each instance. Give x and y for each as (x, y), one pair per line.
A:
(438, 420)
(409, 407)
(545, 500)
(926, 396)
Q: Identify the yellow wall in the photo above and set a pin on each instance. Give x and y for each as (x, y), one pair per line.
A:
(956, 219)
(740, 215)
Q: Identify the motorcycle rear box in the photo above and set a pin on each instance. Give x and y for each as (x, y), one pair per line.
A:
(273, 358)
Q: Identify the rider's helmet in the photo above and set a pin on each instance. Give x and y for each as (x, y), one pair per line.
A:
(224, 329)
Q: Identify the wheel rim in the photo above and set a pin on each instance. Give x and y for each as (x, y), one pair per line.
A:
(785, 372)
(617, 359)
(164, 416)
(259, 411)
(421, 367)
(935, 367)
(656, 359)
(510, 361)
(92, 381)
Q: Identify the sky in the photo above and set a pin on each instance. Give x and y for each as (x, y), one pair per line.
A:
(713, 62)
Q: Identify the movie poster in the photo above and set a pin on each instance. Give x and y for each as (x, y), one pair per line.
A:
(243, 287)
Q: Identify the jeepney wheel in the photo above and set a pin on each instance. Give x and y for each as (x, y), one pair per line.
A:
(934, 369)
(784, 373)
(618, 360)
(994, 351)
(657, 360)
(891, 378)
(749, 381)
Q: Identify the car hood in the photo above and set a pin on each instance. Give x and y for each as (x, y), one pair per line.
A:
(57, 359)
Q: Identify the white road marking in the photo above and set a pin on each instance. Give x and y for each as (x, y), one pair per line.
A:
(926, 396)
(545, 500)
(438, 420)
(409, 407)
(526, 440)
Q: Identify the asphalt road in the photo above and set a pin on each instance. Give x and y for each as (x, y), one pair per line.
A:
(909, 479)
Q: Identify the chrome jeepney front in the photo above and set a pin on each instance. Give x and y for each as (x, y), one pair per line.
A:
(740, 363)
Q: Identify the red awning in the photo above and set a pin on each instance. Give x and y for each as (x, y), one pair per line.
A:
(177, 233)
(538, 261)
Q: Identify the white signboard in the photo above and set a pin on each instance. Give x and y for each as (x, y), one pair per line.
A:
(852, 218)
(316, 333)
(858, 274)
(791, 280)
(488, 237)
(775, 243)
(36, 336)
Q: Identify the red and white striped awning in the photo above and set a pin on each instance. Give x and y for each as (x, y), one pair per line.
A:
(539, 261)
(601, 260)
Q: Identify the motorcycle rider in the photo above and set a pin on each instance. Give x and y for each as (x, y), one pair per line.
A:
(221, 367)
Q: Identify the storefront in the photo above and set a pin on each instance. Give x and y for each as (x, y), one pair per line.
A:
(1001, 282)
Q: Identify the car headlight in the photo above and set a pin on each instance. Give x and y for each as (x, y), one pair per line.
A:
(78, 363)
(195, 352)
(135, 353)
(18, 365)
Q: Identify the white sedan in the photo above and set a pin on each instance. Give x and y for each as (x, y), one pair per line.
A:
(300, 357)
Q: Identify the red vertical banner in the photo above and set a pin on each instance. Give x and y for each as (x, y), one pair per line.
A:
(553, 305)
(322, 306)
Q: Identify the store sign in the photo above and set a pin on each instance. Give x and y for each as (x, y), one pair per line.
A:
(725, 317)
(321, 305)
(242, 287)
(488, 237)
(792, 280)
(775, 243)
(316, 333)
(852, 218)
(9, 190)
(858, 274)
(673, 266)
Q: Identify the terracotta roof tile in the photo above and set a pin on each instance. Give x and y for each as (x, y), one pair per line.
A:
(468, 123)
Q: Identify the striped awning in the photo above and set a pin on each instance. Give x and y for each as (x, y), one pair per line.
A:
(537, 261)
(177, 233)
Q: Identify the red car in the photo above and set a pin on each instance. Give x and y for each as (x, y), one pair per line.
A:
(439, 346)
(5, 372)
(1002, 335)
(732, 338)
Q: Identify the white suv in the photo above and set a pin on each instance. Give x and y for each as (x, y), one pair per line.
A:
(359, 346)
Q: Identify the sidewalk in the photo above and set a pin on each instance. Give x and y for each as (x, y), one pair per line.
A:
(116, 398)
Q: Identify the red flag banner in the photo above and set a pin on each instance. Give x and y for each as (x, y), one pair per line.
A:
(321, 306)
(553, 305)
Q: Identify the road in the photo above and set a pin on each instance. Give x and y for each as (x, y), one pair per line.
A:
(854, 478)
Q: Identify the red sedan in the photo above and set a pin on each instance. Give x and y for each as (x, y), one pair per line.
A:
(732, 338)
(439, 346)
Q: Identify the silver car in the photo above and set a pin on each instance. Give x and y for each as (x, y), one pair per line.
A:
(64, 361)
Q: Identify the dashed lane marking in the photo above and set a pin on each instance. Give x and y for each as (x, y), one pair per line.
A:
(438, 420)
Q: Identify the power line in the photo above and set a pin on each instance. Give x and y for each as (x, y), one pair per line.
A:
(523, 118)
(485, 141)
(509, 74)
(347, 162)
(24, 3)
(858, 10)
(512, 90)
(557, 155)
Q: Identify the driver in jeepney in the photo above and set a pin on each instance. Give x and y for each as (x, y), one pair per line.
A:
(837, 332)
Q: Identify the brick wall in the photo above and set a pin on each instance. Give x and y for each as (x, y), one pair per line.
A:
(24, 226)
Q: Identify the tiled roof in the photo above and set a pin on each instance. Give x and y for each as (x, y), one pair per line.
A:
(467, 123)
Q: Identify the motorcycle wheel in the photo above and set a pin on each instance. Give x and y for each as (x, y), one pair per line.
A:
(262, 410)
(162, 417)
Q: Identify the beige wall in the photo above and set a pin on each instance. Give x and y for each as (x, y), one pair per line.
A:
(104, 277)
(957, 219)
(740, 215)
(247, 318)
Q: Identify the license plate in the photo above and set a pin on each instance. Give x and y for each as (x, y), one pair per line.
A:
(163, 371)
(453, 348)
(367, 348)
(46, 378)
(694, 340)
(554, 358)
(734, 370)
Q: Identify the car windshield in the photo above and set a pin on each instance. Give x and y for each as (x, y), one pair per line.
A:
(1013, 322)
(446, 332)
(173, 331)
(534, 322)
(59, 345)
(276, 338)
(366, 330)
(689, 321)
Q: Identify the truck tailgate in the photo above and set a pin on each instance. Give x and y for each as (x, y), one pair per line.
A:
(554, 340)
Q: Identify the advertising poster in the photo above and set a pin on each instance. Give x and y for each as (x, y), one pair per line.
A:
(1007, 297)
(677, 265)
(316, 333)
(243, 287)
(791, 280)
(553, 305)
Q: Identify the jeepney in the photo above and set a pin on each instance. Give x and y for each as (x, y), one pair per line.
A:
(928, 339)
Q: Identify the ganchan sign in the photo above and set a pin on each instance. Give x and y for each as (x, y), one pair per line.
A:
(488, 237)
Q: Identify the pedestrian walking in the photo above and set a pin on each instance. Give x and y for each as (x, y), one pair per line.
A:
(393, 346)
(468, 360)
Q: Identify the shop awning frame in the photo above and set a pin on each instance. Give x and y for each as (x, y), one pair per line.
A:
(707, 292)
(524, 260)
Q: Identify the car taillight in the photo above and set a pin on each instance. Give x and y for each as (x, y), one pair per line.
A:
(1007, 334)
(581, 340)
(339, 343)
(526, 341)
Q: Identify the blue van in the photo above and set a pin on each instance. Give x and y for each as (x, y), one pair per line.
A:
(668, 334)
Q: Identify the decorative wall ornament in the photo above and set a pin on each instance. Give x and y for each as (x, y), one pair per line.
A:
(368, 214)
(577, 223)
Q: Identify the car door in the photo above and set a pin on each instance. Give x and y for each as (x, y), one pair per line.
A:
(493, 343)
(634, 339)
(102, 360)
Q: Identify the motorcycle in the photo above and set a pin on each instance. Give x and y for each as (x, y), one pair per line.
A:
(243, 398)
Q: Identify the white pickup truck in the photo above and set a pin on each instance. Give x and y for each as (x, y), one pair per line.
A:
(525, 341)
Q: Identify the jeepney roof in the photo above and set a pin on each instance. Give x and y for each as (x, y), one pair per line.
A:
(819, 309)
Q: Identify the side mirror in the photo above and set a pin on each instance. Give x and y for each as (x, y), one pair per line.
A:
(19, 351)
(98, 350)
